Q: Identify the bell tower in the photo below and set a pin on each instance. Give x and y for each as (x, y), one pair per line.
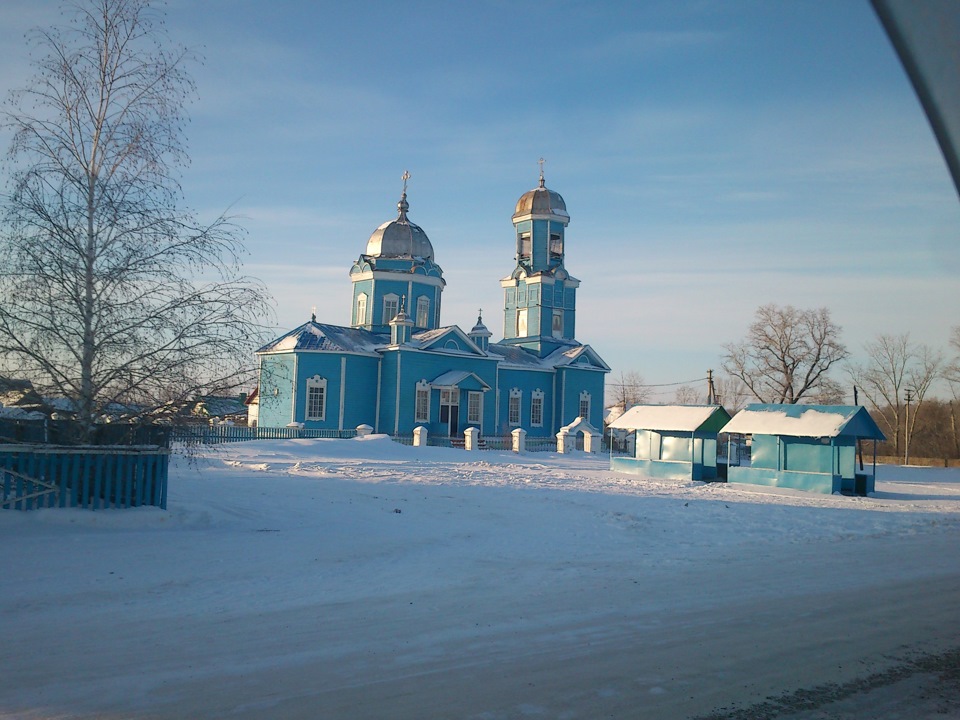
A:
(539, 296)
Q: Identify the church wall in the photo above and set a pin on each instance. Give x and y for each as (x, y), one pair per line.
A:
(350, 379)
(526, 381)
(571, 382)
(416, 366)
(276, 390)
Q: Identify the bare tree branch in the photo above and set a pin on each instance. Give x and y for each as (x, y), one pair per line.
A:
(111, 293)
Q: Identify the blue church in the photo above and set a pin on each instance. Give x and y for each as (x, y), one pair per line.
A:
(396, 367)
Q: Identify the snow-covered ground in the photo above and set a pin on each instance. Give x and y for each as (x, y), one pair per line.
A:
(364, 579)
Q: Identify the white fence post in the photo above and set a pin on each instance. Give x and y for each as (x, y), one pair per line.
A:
(519, 440)
(470, 437)
(419, 436)
(364, 430)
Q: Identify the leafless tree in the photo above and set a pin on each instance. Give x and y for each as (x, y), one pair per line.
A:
(786, 354)
(110, 291)
(687, 395)
(895, 367)
(627, 390)
(731, 393)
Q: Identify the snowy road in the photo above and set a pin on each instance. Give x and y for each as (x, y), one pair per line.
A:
(282, 583)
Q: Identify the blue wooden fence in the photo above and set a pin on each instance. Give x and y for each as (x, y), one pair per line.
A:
(216, 434)
(94, 477)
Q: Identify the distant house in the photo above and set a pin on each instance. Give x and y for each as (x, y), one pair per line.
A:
(807, 447)
(677, 442)
(20, 394)
(215, 408)
(253, 407)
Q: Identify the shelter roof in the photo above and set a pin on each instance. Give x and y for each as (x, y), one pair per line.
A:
(673, 418)
(805, 421)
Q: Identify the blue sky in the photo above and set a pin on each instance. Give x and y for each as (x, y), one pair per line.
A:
(714, 156)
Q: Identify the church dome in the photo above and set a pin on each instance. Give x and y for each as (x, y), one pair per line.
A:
(540, 201)
(400, 238)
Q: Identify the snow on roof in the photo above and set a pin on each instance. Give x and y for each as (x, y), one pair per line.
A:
(321, 336)
(673, 418)
(805, 421)
(453, 378)
(18, 413)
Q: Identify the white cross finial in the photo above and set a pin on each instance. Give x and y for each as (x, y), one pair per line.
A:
(405, 177)
(541, 161)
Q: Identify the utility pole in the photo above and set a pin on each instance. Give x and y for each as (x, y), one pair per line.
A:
(906, 429)
(711, 392)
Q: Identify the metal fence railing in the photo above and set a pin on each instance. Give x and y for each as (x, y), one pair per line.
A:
(541, 444)
(217, 434)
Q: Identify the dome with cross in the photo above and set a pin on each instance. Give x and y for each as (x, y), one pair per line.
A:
(400, 238)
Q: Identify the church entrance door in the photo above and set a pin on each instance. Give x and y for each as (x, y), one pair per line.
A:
(450, 410)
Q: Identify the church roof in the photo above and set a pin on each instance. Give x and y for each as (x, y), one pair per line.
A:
(321, 336)
(540, 201)
(400, 238)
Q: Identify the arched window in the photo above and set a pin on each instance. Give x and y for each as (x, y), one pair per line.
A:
(585, 405)
(361, 309)
(391, 306)
(316, 398)
(536, 408)
(422, 408)
(513, 407)
(423, 311)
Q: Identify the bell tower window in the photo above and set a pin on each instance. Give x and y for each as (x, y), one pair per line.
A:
(556, 246)
(524, 246)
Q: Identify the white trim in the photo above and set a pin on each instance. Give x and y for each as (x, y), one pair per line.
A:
(423, 303)
(515, 394)
(401, 276)
(389, 298)
(317, 382)
(293, 392)
(537, 394)
(478, 394)
(422, 387)
(376, 415)
(585, 396)
(343, 390)
(361, 318)
(396, 407)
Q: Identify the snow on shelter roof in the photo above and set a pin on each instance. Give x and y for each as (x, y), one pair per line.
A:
(805, 421)
(673, 418)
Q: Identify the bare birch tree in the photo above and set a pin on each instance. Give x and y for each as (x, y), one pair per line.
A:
(627, 390)
(786, 354)
(110, 291)
(894, 367)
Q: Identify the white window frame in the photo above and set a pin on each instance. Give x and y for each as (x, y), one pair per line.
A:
(536, 408)
(362, 309)
(422, 402)
(474, 406)
(557, 323)
(522, 322)
(585, 403)
(390, 301)
(423, 311)
(525, 245)
(514, 407)
(314, 410)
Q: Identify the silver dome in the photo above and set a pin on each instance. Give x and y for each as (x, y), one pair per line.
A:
(400, 238)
